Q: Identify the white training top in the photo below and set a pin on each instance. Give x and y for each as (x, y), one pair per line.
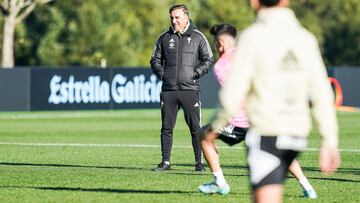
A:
(277, 70)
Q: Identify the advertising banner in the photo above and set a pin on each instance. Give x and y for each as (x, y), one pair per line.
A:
(91, 88)
(26, 89)
(14, 89)
(134, 88)
(70, 88)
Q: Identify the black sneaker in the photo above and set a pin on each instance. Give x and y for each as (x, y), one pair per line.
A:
(199, 167)
(162, 167)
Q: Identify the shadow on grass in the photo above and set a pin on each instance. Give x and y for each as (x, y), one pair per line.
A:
(351, 171)
(151, 168)
(354, 171)
(192, 172)
(328, 179)
(105, 190)
(206, 174)
(75, 166)
(336, 179)
(234, 166)
(111, 190)
(147, 168)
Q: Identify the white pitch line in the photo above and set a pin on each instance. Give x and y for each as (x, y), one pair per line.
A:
(132, 146)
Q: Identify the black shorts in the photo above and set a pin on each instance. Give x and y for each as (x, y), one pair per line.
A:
(232, 135)
(269, 157)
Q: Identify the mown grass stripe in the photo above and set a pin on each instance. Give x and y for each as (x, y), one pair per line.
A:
(133, 146)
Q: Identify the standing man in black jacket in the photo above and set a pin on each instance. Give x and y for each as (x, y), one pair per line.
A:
(181, 56)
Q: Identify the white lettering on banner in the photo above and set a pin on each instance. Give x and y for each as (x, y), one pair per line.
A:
(136, 91)
(54, 87)
(71, 89)
(78, 85)
(116, 92)
(93, 90)
(104, 92)
(90, 91)
(85, 92)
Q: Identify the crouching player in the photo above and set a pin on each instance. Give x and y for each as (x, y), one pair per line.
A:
(234, 133)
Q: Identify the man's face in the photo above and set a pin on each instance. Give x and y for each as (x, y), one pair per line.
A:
(178, 19)
(219, 45)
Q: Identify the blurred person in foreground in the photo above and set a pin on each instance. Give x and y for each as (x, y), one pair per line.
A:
(276, 71)
(182, 55)
(235, 130)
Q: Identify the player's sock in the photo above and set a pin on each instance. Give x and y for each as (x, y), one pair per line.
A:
(167, 162)
(305, 184)
(219, 178)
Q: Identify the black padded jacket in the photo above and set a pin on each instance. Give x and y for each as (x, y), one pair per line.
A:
(179, 60)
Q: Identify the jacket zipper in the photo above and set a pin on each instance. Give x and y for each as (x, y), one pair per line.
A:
(178, 65)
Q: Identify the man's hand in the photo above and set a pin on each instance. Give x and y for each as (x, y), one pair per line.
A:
(329, 159)
(196, 75)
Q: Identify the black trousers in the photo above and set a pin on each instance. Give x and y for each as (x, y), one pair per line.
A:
(171, 102)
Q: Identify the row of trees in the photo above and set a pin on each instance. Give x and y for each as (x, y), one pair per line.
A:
(122, 32)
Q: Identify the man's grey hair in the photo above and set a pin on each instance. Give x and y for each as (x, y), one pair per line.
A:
(179, 6)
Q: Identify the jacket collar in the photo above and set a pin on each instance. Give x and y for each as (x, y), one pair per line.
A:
(186, 32)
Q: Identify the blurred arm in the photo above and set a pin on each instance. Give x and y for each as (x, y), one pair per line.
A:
(324, 112)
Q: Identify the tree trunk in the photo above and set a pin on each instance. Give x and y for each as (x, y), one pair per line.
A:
(8, 42)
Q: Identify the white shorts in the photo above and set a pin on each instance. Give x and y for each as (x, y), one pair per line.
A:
(269, 157)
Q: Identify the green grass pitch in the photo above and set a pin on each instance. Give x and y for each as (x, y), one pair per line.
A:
(107, 156)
